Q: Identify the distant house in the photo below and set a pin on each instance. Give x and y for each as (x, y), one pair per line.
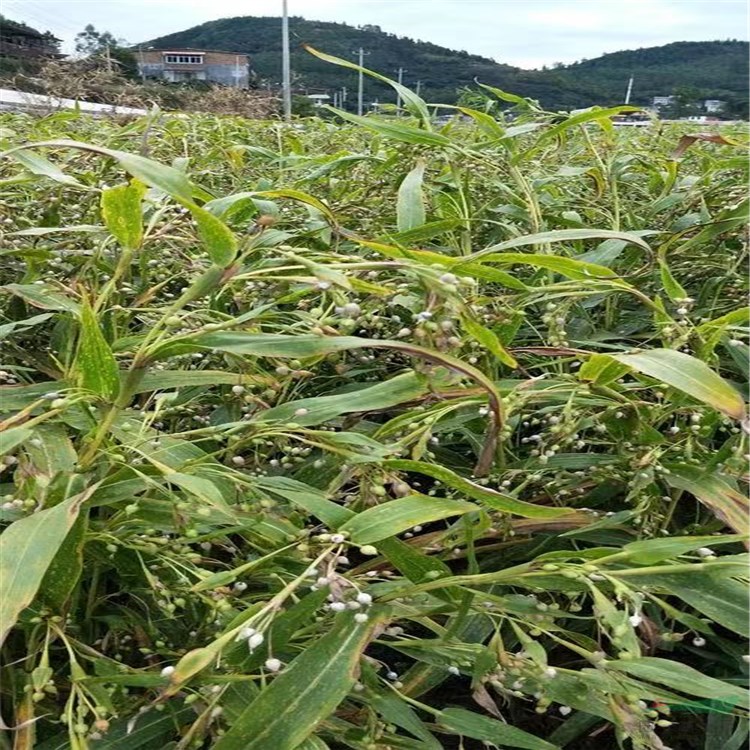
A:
(662, 101)
(188, 64)
(319, 99)
(19, 41)
(713, 105)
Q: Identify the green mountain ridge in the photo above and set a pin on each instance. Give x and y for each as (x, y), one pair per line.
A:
(702, 70)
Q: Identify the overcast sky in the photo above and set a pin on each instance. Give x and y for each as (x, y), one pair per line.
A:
(527, 33)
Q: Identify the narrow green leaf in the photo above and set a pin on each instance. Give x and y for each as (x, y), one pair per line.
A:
(383, 395)
(396, 131)
(165, 178)
(486, 729)
(305, 693)
(8, 328)
(565, 235)
(689, 375)
(52, 450)
(680, 677)
(415, 565)
(651, 551)
(203, 489)
(673, 289)
(9, 439)
(306, 497)
(168, 380)
(511, 98)
(488, 339)
(491, 498)
(66, 567)
(573, 269)
(710, 592)
(42, 167)
(152, 729)
(589, 115)
(397, 711)
(44, 296)
(415, 104)
(395, 516)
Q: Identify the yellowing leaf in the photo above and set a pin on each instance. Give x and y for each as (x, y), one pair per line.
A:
(121, 210)
(95, 366)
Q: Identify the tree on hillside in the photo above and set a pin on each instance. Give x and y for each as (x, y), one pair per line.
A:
(93, 43)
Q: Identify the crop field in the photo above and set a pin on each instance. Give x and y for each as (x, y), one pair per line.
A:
(373, 433)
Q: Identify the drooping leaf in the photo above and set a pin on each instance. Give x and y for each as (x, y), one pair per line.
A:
(650, 551)
(470, 724)
(38, 165)
(396, 131)
(601, 369)
(725, 502)
(491, 498)
(681, 677)
(27, 548)
(168, 179)
(44, 296)
(565, 235)
(689, 375)
(8, 328)
(310, 411)
(395, 516)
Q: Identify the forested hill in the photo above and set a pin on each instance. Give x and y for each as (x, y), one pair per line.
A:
(715, 70)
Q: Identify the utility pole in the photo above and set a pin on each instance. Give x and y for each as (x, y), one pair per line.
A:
(142, 65)
(361, 83)
(336, 99)
(629, 91)
(237, 71)
(343, 97)
(401, 72)
(419, 87)
(286, 71)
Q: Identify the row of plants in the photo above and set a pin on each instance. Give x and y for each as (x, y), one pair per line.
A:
(371, 434)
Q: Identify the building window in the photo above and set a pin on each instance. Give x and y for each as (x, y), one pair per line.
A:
(184, 59)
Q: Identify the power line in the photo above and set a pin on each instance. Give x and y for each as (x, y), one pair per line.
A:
(40, 17)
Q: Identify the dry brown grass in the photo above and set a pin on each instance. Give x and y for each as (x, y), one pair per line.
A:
(88, 80)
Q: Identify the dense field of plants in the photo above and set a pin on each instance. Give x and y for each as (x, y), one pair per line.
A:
(373, 434)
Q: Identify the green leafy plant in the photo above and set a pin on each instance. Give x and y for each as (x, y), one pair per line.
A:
(372, 434)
